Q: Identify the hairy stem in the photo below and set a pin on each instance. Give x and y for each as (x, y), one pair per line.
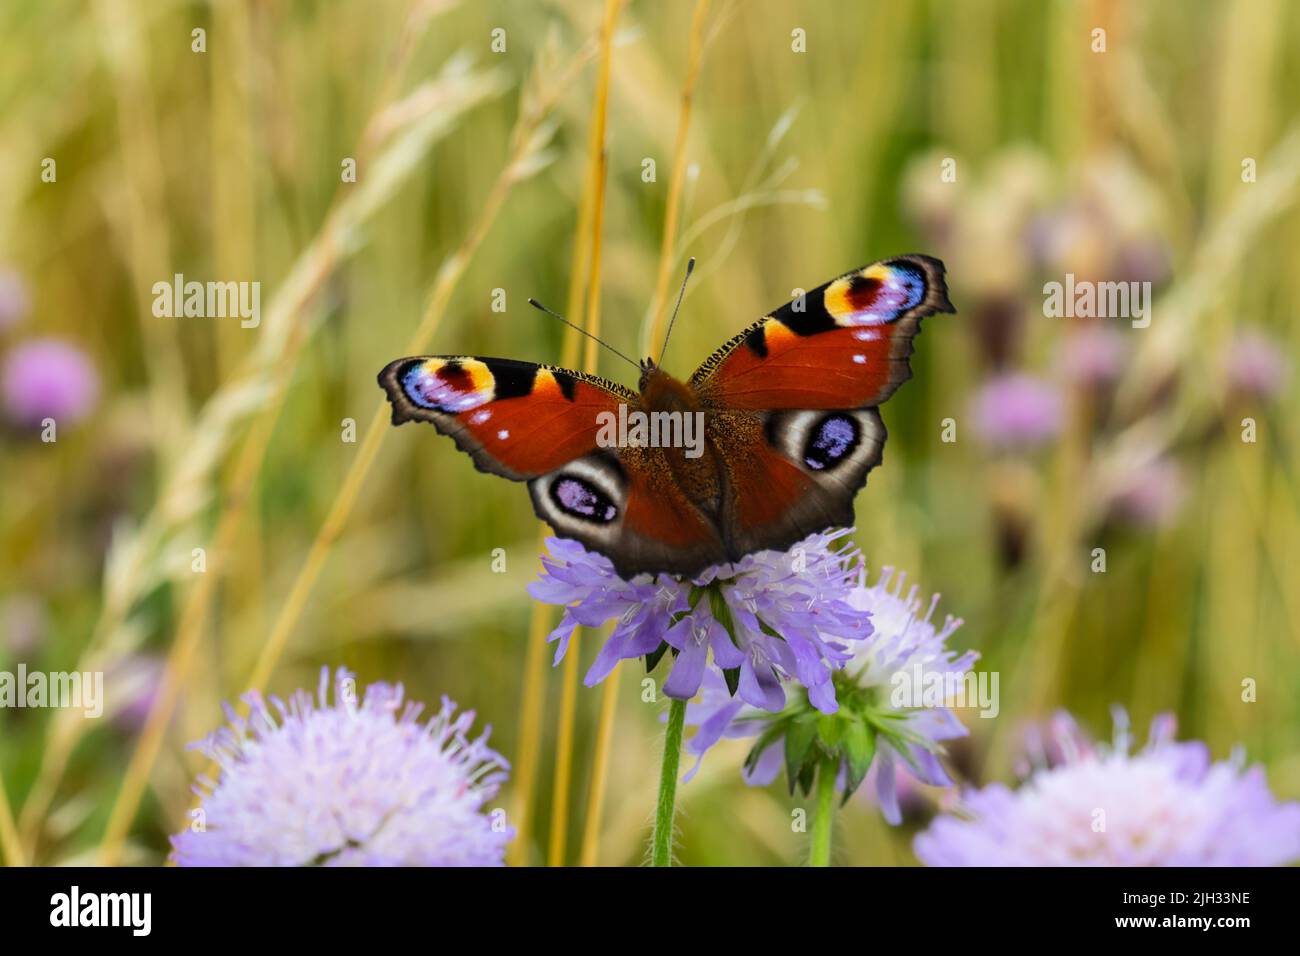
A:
(662, 844)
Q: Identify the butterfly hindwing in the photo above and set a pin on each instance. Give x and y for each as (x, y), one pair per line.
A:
(627, 505)
(789, 474)
(843, 345)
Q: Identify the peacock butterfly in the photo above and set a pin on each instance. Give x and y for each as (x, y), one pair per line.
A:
(789, 413)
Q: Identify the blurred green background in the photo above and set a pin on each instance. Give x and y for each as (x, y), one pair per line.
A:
(995, 135)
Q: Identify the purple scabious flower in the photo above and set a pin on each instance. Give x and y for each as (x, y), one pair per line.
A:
(47, 378)
(1093, 357)
(1060, 741)
(1148, 493)
(769, 617)
(875, 728)
(347, 784)
(1017, 411)
(1167, 805)
(1257, 366)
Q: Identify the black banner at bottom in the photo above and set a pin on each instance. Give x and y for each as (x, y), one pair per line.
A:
(334, 906)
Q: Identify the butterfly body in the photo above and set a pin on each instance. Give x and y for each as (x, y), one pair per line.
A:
(787, 410)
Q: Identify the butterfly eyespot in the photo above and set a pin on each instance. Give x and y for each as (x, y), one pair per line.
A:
(582, 499)
(910, 282)
(830, 441)
(452, 386)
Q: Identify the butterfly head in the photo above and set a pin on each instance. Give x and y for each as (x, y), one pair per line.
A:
(650, 372)
(661, 392)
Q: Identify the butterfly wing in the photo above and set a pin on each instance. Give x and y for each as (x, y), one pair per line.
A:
(518, 420)
(794, 396)
(541, 424)
(788, 474)
(843, 345)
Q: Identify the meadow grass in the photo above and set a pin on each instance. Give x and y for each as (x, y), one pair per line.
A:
(523, 170)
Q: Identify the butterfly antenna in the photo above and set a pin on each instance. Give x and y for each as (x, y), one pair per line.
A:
(690, 267)
(537, 305)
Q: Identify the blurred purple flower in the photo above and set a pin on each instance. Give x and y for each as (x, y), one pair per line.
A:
(14, 302)
(1093, 356)
(769, 616)
(1061, 741)
(346, 784)
(1145, 259)
(1149, 493)
(1016, 410)
(905, 740)
(48, 378)
(1166, 805)
(1257, 366)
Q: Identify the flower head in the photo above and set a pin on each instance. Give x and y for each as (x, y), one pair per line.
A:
(1257, 366)
(1167, 805)
(1017, 411)
(1059, 741)
(1148, 493)
(1093, 357)
(870, 728)
(347, 784)
(771, 616)
(47, 378)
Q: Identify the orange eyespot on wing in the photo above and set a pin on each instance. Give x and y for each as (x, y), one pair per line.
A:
(516, 419)
(844, 345)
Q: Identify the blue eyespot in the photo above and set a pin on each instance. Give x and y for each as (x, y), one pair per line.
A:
(913, 283)
(582, 499)
(830, 441)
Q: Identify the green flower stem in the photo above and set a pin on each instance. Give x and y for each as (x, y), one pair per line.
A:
(662, 843)
(820, 854)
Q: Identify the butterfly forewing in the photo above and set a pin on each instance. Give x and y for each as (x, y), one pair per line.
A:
(842, 345)
(540, 424)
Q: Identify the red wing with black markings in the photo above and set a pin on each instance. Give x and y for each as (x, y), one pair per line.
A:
(540, 424)
(519, 420)
(844, 345)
